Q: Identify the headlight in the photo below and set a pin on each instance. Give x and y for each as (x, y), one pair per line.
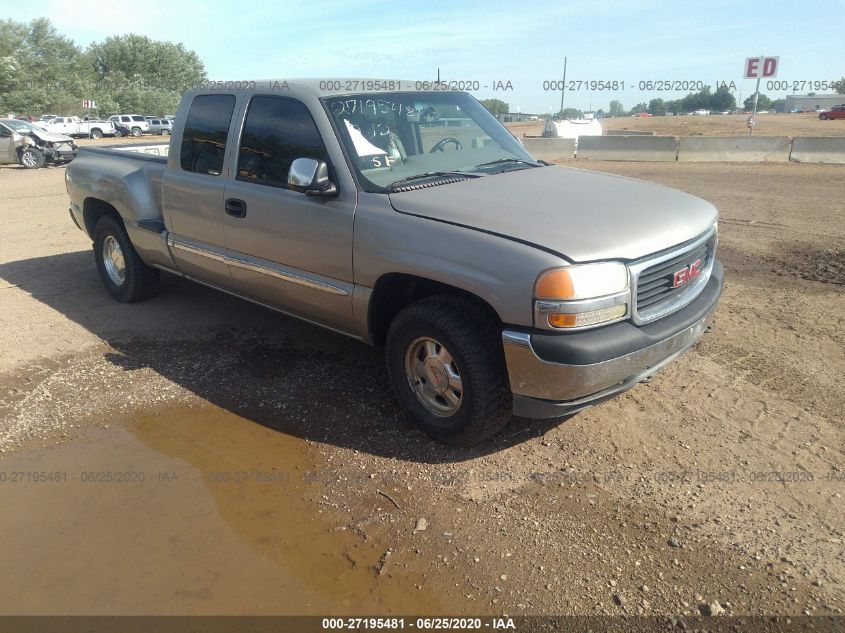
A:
(582, 281)
(582, 296)
(26, 141)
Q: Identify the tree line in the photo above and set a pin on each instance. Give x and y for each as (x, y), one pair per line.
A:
(42, 71)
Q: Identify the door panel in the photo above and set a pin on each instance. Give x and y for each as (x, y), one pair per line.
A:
(289, 250)
(7, 146)
(194, 187)
(293, 251)
(194, 206)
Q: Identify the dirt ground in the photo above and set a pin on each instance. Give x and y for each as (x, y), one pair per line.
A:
(799, 124)
(196, 454)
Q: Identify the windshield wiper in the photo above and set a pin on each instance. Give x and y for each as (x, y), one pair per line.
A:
(431, 174)
(500, 161)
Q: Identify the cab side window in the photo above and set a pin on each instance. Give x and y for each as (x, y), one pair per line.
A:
(204, 136)
(276, 131)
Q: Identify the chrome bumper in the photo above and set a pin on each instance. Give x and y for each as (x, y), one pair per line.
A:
(543, 389)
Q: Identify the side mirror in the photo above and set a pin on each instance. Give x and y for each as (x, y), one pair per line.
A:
(311, 177)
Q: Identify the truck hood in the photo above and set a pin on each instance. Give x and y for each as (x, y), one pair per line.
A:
(49, 137)
(579, 214)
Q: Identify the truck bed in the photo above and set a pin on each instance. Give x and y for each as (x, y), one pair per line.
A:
(156, 152)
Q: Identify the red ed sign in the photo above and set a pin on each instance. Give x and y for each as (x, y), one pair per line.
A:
(756, 67)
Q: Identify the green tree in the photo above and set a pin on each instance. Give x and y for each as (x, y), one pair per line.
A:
(616, 108)
(43, 71)
(763, 103)
(675, 106)
(779, 105)
(840, 86)
(657, 107)
(496, 106)
(722, 100)
(640, 107)
(139, 74)
(570, 113)
(160, 65)
(41, 67)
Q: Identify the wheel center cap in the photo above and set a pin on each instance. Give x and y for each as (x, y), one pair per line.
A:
(436, 374)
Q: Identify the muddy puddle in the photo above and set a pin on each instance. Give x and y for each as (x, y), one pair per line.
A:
(190, 511)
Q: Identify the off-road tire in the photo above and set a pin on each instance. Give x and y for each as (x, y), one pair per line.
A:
(473, 338)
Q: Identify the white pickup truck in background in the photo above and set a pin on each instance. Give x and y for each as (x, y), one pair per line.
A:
(74, 126)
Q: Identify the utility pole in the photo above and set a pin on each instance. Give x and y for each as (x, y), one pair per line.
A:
(563, 87)
(754, 110)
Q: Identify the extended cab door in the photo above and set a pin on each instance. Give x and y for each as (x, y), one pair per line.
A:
(193, 189)
(286, 249)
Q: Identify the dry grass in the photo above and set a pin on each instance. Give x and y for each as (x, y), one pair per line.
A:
(712, 125)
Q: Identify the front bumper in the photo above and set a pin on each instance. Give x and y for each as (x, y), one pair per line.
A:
(553, 375)
(65, 153)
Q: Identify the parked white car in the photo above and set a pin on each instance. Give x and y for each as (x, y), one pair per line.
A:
(163, 127)
(135, 122)
(74, 126)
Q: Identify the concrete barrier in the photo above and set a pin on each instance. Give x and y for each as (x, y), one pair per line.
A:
(549, 148)
(633, 148)
(734, 149)
(807, 149)
(629, 133)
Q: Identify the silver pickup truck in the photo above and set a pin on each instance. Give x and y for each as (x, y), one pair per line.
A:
(413, 220)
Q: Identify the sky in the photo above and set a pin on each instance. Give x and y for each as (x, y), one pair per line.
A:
(514, 46)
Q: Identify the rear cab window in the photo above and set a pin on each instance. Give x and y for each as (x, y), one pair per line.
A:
(204, 136)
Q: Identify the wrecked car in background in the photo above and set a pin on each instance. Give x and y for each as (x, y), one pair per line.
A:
(32, 146)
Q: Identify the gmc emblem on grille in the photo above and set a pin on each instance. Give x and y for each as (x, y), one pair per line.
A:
(686, 275)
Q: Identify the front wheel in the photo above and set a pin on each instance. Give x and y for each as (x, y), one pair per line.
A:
(823, 116)
(32, 158)
(126, 277)
(446, 364)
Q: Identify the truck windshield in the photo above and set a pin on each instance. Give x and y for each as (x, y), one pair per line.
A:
(391, 137)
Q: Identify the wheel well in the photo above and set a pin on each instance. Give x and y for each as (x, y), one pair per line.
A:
(394, 291)
(93, 209)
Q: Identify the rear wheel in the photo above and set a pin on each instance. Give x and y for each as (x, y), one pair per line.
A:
(117, 133)
(125, 276)
(823, 116)
(95, 133)
(32, 158)
(447, 366)
(165, 132)
(136, 131)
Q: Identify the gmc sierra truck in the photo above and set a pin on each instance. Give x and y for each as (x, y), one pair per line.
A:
(408, 217)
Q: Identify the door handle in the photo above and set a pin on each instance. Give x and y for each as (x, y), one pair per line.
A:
(235, 207)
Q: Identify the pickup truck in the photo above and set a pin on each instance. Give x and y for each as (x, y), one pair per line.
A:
(497, 284)
(135, 122)
(74, 126)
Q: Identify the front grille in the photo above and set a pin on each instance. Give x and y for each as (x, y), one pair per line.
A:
(654, 290)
